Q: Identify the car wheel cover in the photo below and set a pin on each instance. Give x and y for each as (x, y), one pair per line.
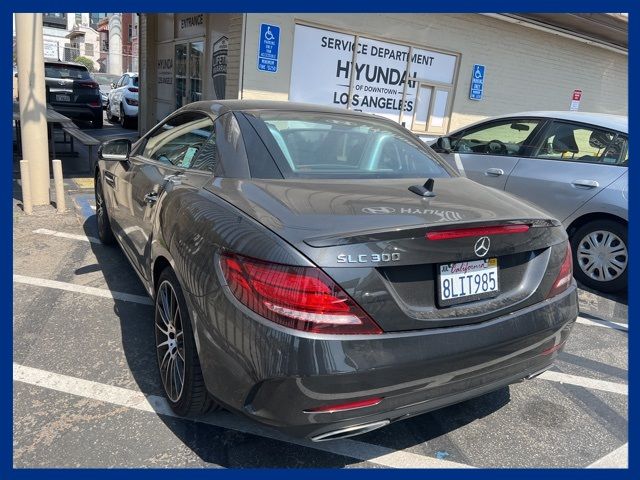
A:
(602, 255)
(170, 341)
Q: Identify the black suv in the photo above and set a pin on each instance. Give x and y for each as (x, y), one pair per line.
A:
(72, 92)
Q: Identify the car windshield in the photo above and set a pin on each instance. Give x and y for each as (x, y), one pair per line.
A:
(331, 145)
(75, 72)
(105, 78)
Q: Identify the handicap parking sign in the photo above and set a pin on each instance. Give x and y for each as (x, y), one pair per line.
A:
(268, 46)
(477, 82)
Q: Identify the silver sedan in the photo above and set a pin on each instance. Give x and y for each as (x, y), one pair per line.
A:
(572, 164)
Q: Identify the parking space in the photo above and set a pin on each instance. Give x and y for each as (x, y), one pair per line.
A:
(86, 390)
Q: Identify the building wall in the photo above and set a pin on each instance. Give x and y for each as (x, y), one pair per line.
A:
(525, 69)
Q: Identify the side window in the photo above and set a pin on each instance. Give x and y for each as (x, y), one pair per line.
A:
(125, 81)
(617, 153)
(580, 143)
(510, 138)
(181, 139)
(119, 84)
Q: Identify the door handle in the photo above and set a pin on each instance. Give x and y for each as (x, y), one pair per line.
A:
(494, 172)
(151, 198)
(585, 183)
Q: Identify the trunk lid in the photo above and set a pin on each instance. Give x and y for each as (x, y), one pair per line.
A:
(369, 236)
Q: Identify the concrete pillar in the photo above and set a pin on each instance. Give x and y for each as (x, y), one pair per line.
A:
(115, 44)
(33, 103)
(148, 48)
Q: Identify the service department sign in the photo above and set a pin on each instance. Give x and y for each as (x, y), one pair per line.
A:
(322, 71)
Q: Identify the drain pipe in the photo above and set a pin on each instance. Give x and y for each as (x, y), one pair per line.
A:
(25, 180)
(59, 184)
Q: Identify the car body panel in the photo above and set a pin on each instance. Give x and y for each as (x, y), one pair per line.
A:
(557, 186)
(613, 200)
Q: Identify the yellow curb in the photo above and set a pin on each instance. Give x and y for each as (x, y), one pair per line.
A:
(84, 182)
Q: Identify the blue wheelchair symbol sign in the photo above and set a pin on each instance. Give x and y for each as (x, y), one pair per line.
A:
(477, 82)
(268, 46)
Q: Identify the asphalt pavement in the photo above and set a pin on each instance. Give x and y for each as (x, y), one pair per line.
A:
(87, 393)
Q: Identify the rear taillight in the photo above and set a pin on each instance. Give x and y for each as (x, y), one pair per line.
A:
(476, 232)
(303, 298)
(563, 280)
(87, 85)
(131, 101)
(133, 89)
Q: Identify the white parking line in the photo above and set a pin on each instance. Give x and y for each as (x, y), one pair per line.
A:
(71, 236)
(600, 322)
(72, 287)
(592, 383)
(134, 399)
(619, 458)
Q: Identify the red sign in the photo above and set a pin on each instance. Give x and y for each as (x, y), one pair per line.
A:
(577, 95)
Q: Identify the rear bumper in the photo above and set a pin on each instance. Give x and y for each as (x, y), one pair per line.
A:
(130, 110)
(78, 111)
(273, 375)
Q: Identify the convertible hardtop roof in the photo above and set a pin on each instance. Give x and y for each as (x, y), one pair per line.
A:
(219, 107)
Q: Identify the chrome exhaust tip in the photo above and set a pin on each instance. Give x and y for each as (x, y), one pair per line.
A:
(350, 431)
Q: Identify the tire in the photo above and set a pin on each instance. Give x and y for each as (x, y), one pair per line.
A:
(175, 356)
(98, 120)
(124, 120)
(607, 238)
(110, 116)
(105, 233)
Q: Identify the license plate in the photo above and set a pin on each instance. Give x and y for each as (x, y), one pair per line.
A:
(467, 281)
(63, 98)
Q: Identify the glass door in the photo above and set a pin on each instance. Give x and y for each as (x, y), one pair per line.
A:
(189, 63)
(181, 75)
(430, 114)
(196, 61)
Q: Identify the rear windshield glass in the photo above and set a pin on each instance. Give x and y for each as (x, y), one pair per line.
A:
(66, 71)
(105, 78)
(345, 146)
(134, 80)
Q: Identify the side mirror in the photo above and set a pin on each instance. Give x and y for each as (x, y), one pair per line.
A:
(113, 84)
(443, 145)
(117, 149)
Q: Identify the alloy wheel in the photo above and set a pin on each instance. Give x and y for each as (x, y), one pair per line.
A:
(170, 341)
(602, 255)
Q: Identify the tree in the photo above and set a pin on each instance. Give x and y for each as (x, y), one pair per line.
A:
(87, 62)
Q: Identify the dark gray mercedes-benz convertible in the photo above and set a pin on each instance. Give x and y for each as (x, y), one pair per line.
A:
(324, 272)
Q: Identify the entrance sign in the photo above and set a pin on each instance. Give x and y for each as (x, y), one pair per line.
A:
(322, 72)
(477, 82)
(268, 47)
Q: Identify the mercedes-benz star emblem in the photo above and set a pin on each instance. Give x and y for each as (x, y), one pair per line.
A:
(379, 210)
(482, 246)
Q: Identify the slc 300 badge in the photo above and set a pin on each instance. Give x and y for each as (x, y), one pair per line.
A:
(366, 258)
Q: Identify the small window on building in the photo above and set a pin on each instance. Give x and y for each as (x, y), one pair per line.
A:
(88, 49)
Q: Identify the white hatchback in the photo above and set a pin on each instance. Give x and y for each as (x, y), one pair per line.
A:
(123, 100)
